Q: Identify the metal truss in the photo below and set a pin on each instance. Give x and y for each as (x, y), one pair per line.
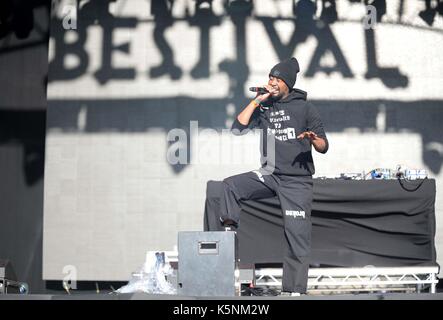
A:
(338, 280)
(323, 280)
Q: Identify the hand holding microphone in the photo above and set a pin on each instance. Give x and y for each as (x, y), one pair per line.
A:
(260, 90)
(263, 93)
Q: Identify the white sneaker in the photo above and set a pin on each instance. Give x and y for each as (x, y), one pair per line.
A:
(290, 294)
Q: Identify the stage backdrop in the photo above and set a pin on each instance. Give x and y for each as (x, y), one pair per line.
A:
(140, 91)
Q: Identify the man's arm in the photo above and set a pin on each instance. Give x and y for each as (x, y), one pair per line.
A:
(318, 143)
(315, 131)
(241, 124)
(244, 118)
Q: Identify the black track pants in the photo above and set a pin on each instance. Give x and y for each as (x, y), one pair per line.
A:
(295, 195)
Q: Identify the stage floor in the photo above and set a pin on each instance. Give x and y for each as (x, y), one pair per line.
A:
(144, 296)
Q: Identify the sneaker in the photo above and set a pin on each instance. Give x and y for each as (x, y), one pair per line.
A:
(290, 294)
(229, 225)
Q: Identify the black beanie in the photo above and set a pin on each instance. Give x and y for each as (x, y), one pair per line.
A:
(287, 71)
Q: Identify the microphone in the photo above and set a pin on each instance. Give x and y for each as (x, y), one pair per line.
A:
(260, 90)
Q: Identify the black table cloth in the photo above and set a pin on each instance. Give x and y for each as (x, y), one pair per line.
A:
(355, 223)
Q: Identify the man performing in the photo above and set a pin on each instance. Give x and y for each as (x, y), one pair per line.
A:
(284, 115)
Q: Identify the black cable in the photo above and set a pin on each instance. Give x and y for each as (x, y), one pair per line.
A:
(410, 190)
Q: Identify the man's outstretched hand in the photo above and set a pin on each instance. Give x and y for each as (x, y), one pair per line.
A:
(318, 143)
(308, 134)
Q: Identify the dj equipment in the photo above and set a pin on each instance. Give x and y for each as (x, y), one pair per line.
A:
(416, 174)
(381, 173)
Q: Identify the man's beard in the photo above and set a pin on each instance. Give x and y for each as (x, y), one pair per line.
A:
(276, 98)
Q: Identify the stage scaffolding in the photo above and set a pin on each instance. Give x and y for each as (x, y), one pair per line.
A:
(366, 279)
